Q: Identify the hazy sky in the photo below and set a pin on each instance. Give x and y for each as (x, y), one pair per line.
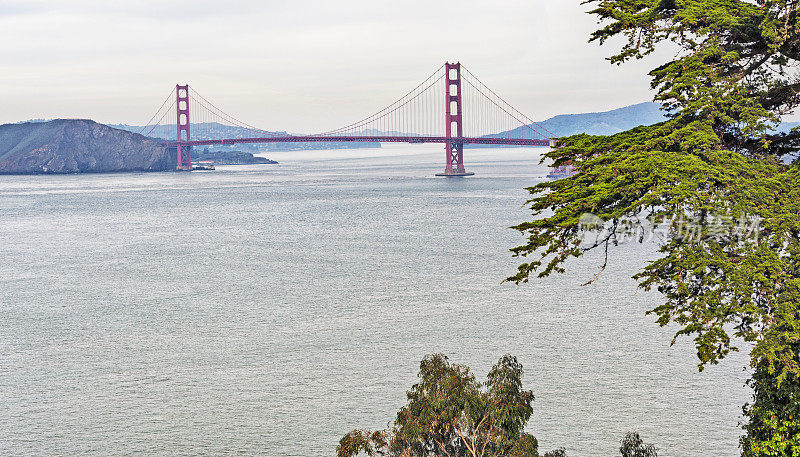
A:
(298, 65)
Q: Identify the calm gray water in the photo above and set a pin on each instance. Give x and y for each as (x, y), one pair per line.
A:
(271, 309)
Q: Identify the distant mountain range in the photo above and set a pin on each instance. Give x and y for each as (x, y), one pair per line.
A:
(606, 122)
(69, 146)
(601, 123)
(615, 121)
(211, 130)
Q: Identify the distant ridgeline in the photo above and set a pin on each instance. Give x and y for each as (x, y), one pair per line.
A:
(602, 123)
(82, 145)
(211, 130)
(606, 122)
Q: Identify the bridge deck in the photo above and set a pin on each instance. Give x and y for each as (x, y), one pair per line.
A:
(366, 139)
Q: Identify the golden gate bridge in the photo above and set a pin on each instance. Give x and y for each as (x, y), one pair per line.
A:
(452, 106)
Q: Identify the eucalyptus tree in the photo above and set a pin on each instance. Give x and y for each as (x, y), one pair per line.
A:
(449, 413)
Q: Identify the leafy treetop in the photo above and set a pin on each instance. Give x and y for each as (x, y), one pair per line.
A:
(449, 413)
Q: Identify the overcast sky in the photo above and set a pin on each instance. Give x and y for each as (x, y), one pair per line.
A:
(298, 65)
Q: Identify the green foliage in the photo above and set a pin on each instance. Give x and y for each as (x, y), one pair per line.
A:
(774, 426)
(449, 413)
(633, 446)
(734, 74)
(526, 446)
(370, 443)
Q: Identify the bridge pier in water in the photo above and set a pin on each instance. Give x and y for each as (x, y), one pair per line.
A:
(454, 150)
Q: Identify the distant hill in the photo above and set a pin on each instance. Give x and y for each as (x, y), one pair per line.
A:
(602, 123)
(77, 146)
(607, 122)
(616, 121)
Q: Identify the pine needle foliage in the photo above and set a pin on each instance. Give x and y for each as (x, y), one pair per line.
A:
(734, 74)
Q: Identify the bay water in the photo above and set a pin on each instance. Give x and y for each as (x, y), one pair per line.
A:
(270, 309)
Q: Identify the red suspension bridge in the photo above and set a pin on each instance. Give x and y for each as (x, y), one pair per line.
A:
(451, 107)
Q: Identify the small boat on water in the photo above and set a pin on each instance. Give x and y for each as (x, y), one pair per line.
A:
(203, 165)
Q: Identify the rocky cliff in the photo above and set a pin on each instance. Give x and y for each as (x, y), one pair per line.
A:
(77, 146)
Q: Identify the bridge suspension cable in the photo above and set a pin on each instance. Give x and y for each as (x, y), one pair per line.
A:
(525, 122)
(421, 113)
(161, 114)
(383, 121)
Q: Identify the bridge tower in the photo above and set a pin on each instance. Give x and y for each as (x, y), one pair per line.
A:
(454, 149)
(184, 130)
